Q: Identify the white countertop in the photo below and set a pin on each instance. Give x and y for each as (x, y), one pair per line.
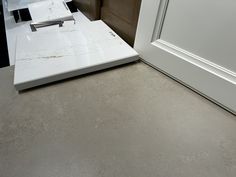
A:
(14, 29)
(55, 53)
(66, 52)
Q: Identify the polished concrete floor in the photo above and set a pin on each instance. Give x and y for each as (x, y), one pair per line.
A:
(128, 122)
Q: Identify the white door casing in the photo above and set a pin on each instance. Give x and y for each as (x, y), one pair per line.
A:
(193, 41)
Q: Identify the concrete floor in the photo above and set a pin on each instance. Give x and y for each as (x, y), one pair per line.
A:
(128, 122)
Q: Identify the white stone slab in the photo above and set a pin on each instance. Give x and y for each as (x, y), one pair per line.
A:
(14, 29)
(21, 4)
(50, 56)
(50, 10)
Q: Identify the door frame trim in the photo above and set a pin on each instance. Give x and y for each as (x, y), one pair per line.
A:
(209, 79)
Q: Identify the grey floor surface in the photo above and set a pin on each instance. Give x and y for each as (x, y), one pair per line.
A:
(128, 122)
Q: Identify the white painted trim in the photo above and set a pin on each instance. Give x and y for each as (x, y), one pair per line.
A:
(160, 19)
(197, 60)
(185, 55)
(209, 79)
